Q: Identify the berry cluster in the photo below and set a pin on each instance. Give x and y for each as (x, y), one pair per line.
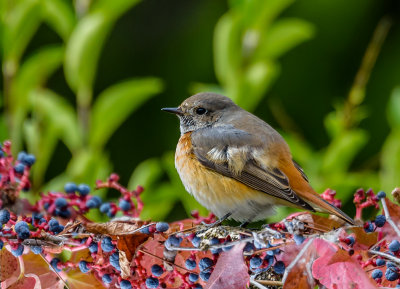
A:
(127, 252)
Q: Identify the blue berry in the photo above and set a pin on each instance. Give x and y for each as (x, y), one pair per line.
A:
(279, 267)
(19, 168)
(190, 264)
(157, 270)
(124, 205)
(70, 188)
(196, 241)
(391, 274)
(37, 249)
(83, 266)
(4, 217)
(105, 208)
(93, 247)
(61, 202)
(390, 265)
(107, 245)
(57, 230)
(63, 212)
(152, 282)
(350, 240)
(380, 262)
(28, 159)
(255, 262)
(106, 279)
(1, 244)
(145, 230)
(205, 264)
(381, 195)
(114, 261)
(270, 259)
(22, 230)
(18, 252)
(93, 202)
(53, 223)
(83, 189)
(205, 276)
(197, 286)
(299, 239)
(394, 246)
(37, 216)
(162, 227)
(21, 156)
(173, 241)
(380, 220)
(215, 241)
(368, 227)
(54, 262)
(193, 277)
(377, 273)
(125, 284)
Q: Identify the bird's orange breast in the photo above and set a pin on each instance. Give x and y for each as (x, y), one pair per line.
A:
(218, 193)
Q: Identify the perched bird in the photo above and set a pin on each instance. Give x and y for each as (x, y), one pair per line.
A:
(238, 166)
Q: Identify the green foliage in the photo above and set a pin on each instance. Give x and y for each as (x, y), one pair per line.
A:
(84, 130)
(248, 40)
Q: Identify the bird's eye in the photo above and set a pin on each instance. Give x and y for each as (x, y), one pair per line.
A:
(201, 110)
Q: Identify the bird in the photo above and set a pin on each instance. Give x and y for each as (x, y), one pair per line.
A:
(238, 166)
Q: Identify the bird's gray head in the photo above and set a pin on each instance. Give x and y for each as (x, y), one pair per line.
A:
(202, 110)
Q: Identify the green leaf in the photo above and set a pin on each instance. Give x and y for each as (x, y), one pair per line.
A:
(60, 16)
(116, 103)
(227, 53)
(34, 73)
(146, 174)
(390, 161)
(41, 141)
(258, 14)
(393, 109)
(20, 25)
(197, 87)
(82, 53)
(113, 8)
(57, 111)
(85, 44)
(257, 79)
(283, 35)
(342, 150)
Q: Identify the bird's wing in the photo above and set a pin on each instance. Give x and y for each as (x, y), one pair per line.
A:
(226, 150)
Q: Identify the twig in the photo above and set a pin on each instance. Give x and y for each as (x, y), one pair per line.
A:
(387, 256)
(388, 218)
(294, 262)
(270, 282)
(256, 282)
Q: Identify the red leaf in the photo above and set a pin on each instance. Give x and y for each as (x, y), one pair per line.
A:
(298, 277)
(8, 265)
(230, 270)
(333, 270)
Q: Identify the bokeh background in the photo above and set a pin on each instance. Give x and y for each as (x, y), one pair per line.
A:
(83, 82)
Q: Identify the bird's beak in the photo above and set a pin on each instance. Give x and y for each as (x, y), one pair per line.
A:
(175, 110)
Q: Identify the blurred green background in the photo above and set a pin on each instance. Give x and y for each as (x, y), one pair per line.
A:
(83, 83)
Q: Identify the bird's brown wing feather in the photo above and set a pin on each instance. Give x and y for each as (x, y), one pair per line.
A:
(271, 181)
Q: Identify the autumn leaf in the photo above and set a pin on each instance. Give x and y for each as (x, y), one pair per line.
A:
(230, 270)
(337, 272)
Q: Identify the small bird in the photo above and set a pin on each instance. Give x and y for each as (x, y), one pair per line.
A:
(238, 166)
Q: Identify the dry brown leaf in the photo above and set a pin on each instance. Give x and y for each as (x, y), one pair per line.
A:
(113, 228)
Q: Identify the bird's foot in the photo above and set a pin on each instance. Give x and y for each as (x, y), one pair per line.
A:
(217, 222)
